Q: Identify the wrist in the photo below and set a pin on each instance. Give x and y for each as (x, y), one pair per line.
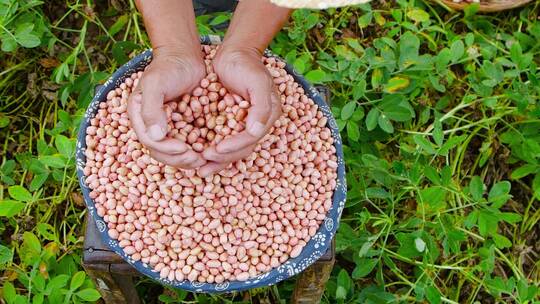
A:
(170, 25)
(181, 44)
(193, 53)
(255, 23)
(235, 45)
(242, 44)
(180, 58)
(230, 51)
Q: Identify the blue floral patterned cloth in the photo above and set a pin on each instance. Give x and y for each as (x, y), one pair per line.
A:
(314, 249)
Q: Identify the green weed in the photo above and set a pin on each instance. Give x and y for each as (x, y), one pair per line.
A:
(439, 113)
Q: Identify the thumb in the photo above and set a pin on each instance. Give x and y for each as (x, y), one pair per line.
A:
(259, 113)
(152, 112)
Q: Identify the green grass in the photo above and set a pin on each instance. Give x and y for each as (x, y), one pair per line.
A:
(439, 112)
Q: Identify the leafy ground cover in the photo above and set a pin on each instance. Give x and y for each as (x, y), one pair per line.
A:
(439, 112)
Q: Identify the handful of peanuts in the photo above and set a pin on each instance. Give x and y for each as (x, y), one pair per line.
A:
(231, 226)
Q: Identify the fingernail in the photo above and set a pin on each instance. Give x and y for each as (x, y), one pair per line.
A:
(224, 148)
(275, 98)
(190, 157)
(207, 153)
(155, 132)
(256, 129)
(201, 162)
(137, 98)
(203, 172)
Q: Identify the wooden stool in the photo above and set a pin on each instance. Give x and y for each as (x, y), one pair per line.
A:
(113, 277)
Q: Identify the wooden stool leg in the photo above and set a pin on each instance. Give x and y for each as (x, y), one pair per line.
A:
(114, 288)
(311, 283)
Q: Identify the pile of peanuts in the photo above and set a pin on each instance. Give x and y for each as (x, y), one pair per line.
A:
(209, 114)
(231, 226)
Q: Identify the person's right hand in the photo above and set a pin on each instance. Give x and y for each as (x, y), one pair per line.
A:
(241, 71)
(170, 75)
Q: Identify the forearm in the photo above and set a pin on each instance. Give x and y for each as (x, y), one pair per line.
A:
(170, 24)
(254, 24)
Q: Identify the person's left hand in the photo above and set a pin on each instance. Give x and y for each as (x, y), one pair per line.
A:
(242, 72)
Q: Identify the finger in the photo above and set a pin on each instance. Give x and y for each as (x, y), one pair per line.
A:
(152, 112)
(276, 110)
(245, 139)
(136, 91)
(167, 146)
(187, 160)
(212, 155)
(236, 142)
(212, 168)
(261, 104)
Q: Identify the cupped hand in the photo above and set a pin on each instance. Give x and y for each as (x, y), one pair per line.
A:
(242, 72)
(170, 75)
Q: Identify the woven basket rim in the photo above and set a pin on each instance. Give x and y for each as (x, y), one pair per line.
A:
(317, 4)
(487, 7)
